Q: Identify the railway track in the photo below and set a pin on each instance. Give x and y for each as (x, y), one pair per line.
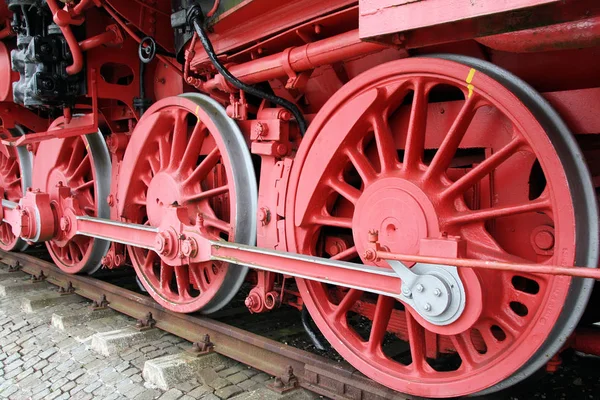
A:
(312, 372)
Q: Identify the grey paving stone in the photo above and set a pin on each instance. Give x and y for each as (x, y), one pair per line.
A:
(171, 394)
(228, 392)
(237, 377)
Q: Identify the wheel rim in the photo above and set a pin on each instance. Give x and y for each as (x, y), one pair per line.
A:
(187, 151)
(348, 177)
(15, 177)
(81, 163)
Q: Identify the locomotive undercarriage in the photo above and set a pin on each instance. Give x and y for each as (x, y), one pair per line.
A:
(438, 216)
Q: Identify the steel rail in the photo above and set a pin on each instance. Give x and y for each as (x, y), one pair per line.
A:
(314, 373)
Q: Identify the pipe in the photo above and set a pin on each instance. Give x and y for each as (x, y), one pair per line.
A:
(568, 35)
(214, 9)
(63, 19)
(104, 38)
(298, 59)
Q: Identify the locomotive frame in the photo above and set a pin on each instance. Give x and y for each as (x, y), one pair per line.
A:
(390, 165)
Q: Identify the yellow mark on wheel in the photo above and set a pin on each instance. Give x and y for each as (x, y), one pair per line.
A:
(196, 112)
(469, 80)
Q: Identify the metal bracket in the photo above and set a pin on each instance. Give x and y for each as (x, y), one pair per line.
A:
(285, 383)
(100, 304)
(63, 291)
(202, 348)
(16, 267)
(38, 278)
(145, 323)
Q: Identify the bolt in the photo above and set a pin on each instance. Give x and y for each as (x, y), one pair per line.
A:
(249, 302)
(373, 235)
(437, 292)
(369, 255)
(427, 307)
(110, 200)
(65, 224)
(406, 291)
(282, 149)
(420, 288)
(260, 130)
(544, 240)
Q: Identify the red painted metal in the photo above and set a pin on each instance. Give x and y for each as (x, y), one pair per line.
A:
(568, 35)
(382, 17)
(12, 189)
(587, 340)
(347, 162)
(163, 168)
(447, 179)
(67, 164)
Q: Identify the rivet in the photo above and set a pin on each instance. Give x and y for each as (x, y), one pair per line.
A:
(420, 288)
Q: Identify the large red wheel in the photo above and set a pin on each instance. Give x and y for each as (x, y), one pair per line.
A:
(15, 177)
(81, 163)
(186, 151)
(428, 148)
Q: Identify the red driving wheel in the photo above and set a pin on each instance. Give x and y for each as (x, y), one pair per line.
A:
(186, 151)
(423, 149)
(81, 163)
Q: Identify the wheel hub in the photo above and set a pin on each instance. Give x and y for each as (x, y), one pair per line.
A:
(162, 192)
(399, 210)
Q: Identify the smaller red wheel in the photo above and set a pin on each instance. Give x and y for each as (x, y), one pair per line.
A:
(15, 177)
(81, 163)
(186, 151)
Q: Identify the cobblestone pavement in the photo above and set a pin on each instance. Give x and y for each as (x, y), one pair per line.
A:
(40, 361)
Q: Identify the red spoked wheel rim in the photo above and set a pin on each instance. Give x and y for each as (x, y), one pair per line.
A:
(178, 156)
(11, 180)
(379, 155)
(81, 163)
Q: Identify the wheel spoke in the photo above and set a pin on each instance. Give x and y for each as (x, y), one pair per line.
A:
(466, 350)
(383, 312)
(192, 150)
(180, 139)
(471, 217)
(444, 155)
(76, 154)
(347, 254)
(361, 163)
(485, 168)
(84, 186)
(416, 341)
(217, 224)
(328, 220)
(182, 277)
(164, 152)
(351, 297)
(415, 137)
(196, 272)
(386, 147)
(166, 274)
(154, 164)
(202, 170)
(82, 169)
(348, 191)
(196, 197)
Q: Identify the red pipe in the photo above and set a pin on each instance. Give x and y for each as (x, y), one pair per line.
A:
(568, 35)
(63, 19)
(578, 272)
(297, 59)
(214, 9)
(107, 37)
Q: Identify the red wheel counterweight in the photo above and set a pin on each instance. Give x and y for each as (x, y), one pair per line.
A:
(181, 153)
(429, 149)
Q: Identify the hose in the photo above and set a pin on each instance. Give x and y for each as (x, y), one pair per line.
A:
(196, 21)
